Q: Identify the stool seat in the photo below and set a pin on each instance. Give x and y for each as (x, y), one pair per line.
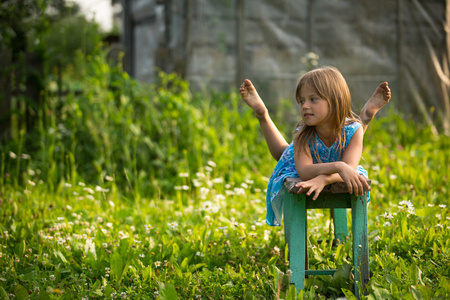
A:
(336, 197)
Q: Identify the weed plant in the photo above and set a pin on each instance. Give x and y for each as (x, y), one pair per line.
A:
(153, 192)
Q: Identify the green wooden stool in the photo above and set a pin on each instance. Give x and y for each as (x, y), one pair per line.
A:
(336, 197)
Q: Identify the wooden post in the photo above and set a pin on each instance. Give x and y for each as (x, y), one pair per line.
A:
(240, 42)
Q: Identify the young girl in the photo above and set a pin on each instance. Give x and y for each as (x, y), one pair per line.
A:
(327, 142)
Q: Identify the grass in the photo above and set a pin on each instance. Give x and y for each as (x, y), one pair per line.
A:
(153, 192)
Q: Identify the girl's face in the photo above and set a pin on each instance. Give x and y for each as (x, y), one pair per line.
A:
(313, 109)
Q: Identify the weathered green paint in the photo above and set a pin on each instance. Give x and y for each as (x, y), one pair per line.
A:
(340, 225)
(295, 222)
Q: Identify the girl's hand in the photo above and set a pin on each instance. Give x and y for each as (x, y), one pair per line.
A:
(314, 185)
(356, 183)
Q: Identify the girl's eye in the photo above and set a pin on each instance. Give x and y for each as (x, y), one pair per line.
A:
(302, 101)
(313, 99)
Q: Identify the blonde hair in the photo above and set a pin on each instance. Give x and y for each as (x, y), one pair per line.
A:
(330, 85)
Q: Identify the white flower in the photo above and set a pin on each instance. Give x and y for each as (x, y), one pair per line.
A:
(211, 163)
(407, 203)
(109, 178)
(12, 155)
(157, 264)
(387, 224)
(111, 203)
(81, 184)
(217, 180)
(439, 225)
(183, 174)
(376, 238)
(387, 216)
(100, 189)
(199, 253)
(442, 205)
(220, 197)
(89, 190)
(142, 255)
(173, 224)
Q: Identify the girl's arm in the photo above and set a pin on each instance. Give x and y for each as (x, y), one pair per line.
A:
(345, 169)
(275, 141)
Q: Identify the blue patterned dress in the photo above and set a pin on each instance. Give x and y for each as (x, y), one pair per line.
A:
(286, 168)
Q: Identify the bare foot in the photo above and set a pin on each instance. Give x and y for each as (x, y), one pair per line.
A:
(380, 98)
(251, 97)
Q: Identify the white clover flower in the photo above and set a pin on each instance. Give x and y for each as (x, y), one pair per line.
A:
(31, 172)
(289, 272)
(25, 156)
(12, 155)
(105, 245)
(276, 249)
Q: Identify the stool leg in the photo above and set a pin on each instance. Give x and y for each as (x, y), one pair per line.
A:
(360, 241)
(298, 240)
(340, 224)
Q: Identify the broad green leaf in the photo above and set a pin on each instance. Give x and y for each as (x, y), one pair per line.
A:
(20, 292)
(184, 264)
(3, 294)
(61, 256)
(43, 295)
(167, 291)
(348, 294)
(392, 279)
(381, 293)
(416, 293)
(116, 265)
(292, 293)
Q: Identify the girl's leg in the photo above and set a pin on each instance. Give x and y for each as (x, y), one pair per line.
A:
(380, 98)
(251, 97)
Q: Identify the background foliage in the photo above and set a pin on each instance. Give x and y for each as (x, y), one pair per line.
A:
(153, 191)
